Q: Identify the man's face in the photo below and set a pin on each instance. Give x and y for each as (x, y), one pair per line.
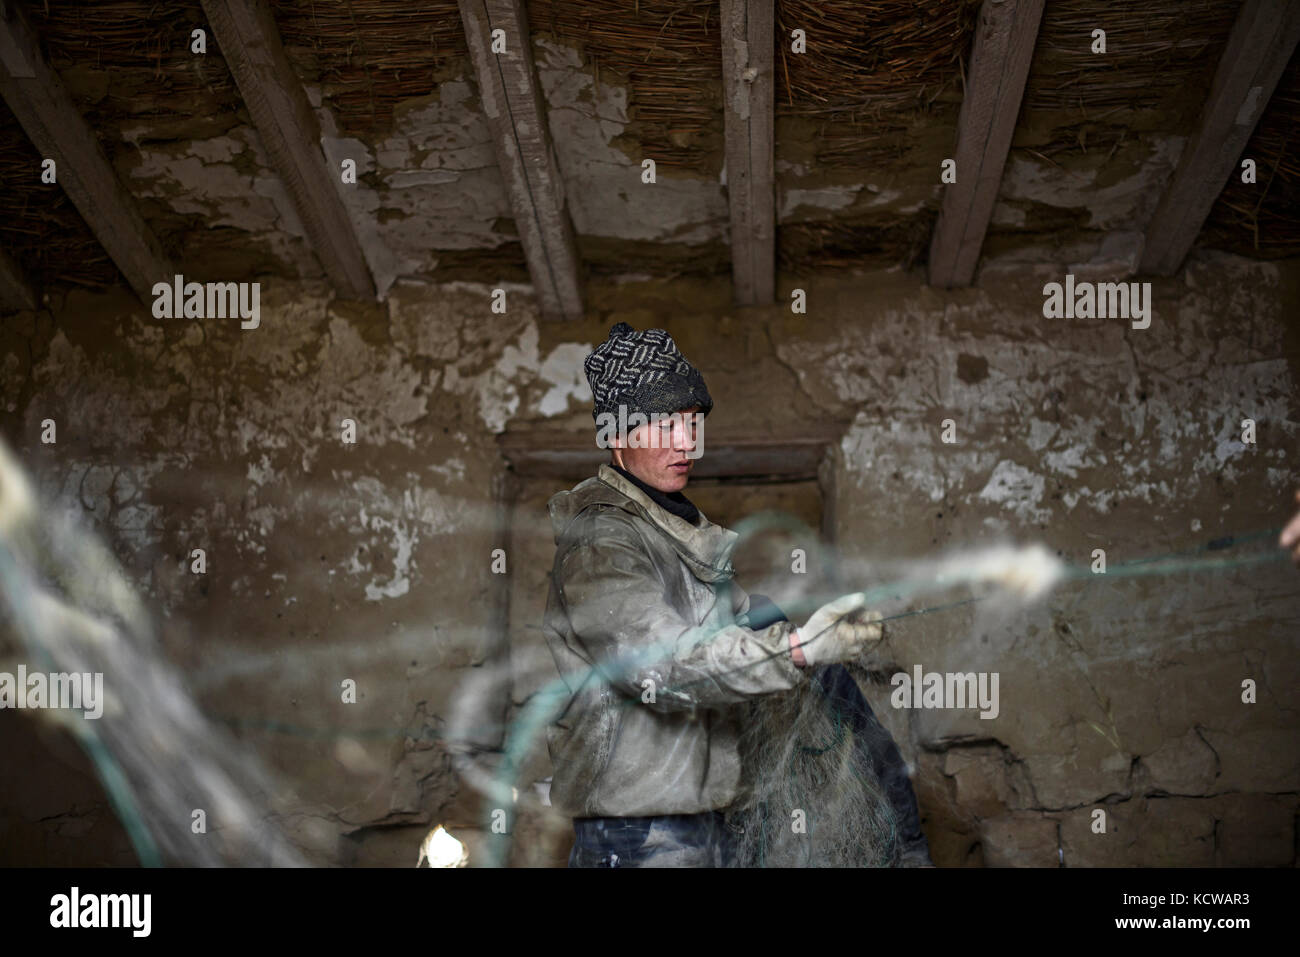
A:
(661, 461)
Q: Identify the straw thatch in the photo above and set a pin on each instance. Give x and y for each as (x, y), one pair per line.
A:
(1160, 58)
(503, 263)
(604, 257)
(890, 53)
(369, 55)
(667, 54)
(39, 226)
(143, 50)
(830, 244)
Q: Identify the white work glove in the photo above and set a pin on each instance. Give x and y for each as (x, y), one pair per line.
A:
(839, 631)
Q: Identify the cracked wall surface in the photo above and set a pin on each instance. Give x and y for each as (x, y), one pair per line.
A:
(372, 561)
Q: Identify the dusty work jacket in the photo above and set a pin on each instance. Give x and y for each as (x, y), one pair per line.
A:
(634, 620)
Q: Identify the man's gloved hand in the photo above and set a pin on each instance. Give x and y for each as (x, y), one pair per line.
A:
(839, 631)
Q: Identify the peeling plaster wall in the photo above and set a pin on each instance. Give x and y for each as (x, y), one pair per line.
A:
(1063, 207)
(1110, 202)
(372, 561)
(604, 189)
(435, 185)
(1121, 693)
(228, 182)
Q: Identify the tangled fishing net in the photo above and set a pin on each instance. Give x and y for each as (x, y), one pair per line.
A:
(66, 605)
(810, 796)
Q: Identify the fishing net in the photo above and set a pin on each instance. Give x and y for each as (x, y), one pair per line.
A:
(810, 795)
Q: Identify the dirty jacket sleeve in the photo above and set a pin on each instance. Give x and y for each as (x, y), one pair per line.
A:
(617, 600)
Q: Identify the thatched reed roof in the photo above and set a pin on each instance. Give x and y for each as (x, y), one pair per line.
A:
(370, 55)
(39, 226)
(1154, 51)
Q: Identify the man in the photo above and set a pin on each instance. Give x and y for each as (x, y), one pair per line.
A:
(646, 749)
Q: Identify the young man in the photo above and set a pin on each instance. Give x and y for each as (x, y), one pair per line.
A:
(646, 750)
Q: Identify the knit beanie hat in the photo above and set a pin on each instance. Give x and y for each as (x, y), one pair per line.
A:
(645, 372)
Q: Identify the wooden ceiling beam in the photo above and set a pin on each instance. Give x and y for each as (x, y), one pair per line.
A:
(59, 132)
(277, 102)
(1262, 40)
(1005, 33)
(511, 99)
(747, 65)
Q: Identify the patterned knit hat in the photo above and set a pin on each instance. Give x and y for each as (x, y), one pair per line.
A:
(645, 372)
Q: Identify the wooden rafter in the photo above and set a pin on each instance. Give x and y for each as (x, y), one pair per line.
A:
(747, 60)
(1005, 34)
(277, 102)
(512, 101)
(1262, 41)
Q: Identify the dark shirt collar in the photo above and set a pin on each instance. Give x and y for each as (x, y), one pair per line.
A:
(674, 502)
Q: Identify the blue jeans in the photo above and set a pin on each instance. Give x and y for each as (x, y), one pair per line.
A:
(673, 840)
